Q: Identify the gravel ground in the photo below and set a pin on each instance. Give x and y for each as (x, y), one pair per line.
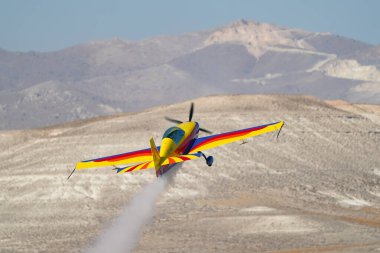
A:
(315, 189)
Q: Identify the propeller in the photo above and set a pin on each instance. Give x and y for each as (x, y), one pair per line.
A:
(191, 112)
(205, 130)
(173, 120)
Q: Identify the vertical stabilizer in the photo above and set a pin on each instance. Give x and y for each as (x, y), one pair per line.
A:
(156, 155)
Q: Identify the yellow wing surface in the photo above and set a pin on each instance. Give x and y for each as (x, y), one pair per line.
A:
(216, 140)
(137, 156)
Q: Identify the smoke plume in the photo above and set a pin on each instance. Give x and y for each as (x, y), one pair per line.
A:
(124, 232)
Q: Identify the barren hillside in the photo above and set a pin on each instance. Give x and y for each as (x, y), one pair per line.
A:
(244, 57)
(315, 189)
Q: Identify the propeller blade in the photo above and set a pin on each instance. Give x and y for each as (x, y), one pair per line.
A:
(173, 120)
(205, 130)
(191, 111)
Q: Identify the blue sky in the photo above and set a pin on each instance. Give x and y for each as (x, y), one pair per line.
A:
(45, 25)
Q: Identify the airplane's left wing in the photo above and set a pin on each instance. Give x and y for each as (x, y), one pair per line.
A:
(137, 156)
(216, 140)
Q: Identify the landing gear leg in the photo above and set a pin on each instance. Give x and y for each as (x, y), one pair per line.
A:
(209, 159)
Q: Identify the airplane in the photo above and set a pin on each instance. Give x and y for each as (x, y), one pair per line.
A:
(179, 143)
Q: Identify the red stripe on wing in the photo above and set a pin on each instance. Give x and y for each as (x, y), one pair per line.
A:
(145, 165)
(184, 158)
(132, 168)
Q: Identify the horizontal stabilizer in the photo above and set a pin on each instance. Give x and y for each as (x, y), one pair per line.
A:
(169, 160)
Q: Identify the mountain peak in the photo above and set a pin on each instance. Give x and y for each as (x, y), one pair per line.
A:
(109, 42)
(243, 22)
(259, 37)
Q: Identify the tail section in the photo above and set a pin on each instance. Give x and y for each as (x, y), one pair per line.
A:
(156, 155)
(164, 166)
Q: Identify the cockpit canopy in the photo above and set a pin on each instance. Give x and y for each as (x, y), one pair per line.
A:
(174, 133)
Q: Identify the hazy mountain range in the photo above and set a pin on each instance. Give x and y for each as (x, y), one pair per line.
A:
(106, 77)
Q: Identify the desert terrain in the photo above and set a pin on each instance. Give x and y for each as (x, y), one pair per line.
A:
(315, 189)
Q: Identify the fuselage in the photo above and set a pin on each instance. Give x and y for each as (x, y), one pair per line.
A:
(177, 140)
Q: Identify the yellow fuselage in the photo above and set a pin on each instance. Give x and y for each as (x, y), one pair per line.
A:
(170, 148)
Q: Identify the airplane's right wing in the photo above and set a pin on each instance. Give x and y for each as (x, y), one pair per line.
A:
(216, 140)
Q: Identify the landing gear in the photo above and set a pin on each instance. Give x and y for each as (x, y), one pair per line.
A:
(209, 159)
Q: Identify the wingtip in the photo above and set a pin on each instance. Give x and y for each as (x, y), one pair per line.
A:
(279, 131)
(72, 172)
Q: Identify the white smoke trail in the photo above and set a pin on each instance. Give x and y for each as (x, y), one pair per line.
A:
(122, 235)
(124, 232)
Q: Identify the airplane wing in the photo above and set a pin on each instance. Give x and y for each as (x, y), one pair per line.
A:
(137, 156)
(150, 164)
(216, 140)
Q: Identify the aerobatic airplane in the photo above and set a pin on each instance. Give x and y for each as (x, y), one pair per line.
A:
(179, 143)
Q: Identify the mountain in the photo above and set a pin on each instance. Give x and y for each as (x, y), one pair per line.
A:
(315, 189)
(106, 77)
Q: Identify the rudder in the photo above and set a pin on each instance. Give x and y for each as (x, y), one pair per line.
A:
(155, 154)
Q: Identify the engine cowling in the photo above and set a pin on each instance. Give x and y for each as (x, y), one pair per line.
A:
(209, 160)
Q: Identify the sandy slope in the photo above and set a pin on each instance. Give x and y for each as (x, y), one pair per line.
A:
(315, 189)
